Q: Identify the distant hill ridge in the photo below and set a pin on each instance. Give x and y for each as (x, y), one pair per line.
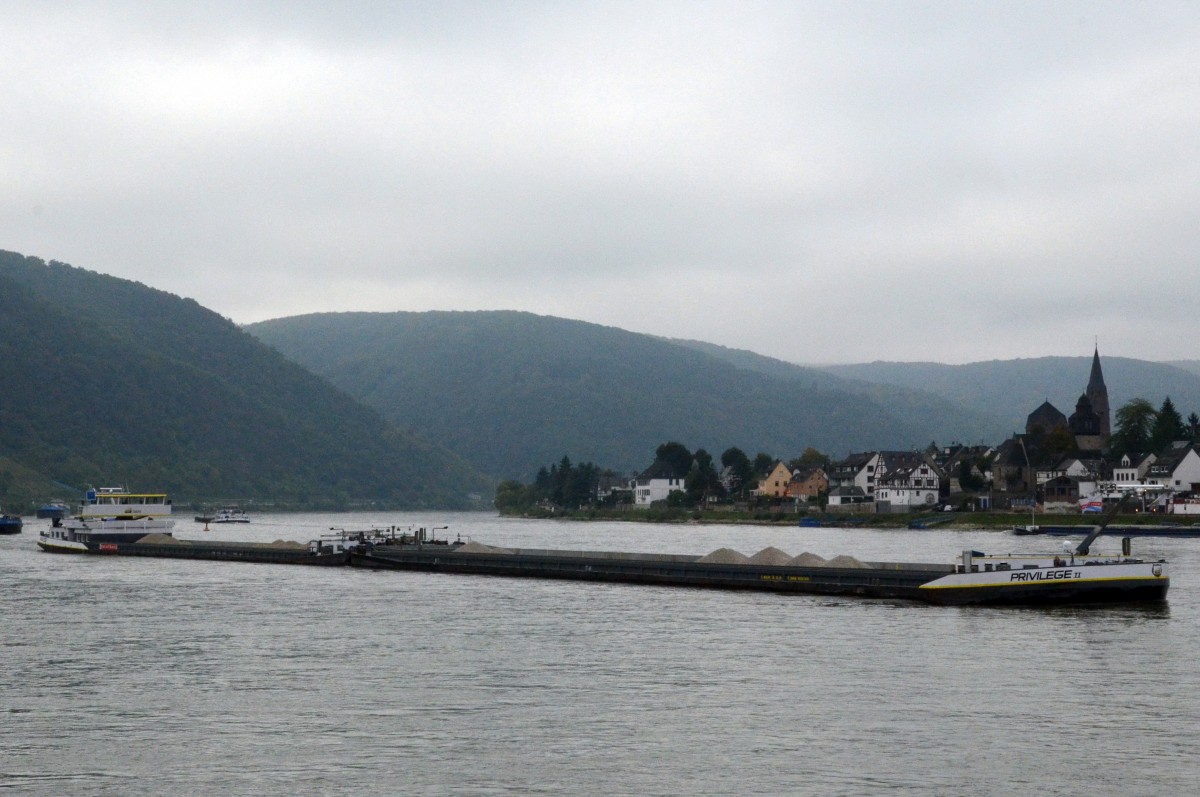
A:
(512, 391)
(106, 381)
(1010, 389)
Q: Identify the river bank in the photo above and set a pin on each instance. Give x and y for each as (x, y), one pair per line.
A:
(1001, 521)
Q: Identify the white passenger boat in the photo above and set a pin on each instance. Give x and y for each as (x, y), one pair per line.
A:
(109, 514)
(230, 514)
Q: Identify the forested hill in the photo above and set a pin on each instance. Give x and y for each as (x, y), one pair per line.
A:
(106, 381)
(945, 417)
(513, 391)
(1011, 389)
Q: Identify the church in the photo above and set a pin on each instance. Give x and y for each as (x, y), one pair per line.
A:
(1091, 423)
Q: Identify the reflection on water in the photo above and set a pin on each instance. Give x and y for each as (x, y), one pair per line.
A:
(130, 676)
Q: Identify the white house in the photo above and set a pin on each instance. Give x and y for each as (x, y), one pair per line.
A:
(655, 484)
(909, 487)
(856, 470)
(1177, 470)
(1132, 470)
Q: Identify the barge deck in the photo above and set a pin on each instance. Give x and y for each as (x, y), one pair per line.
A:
(263, 553)
(1013, 579)
(878, 580)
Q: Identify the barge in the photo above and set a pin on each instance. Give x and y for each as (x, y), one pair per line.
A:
(1078, 576)
(279, 553)
(332, 550)
(975, 579)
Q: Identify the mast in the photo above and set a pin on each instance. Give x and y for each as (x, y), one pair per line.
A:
(1084, 546)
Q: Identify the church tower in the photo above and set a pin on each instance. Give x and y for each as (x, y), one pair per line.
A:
(1097, 395)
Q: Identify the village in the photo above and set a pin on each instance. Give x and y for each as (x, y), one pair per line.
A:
(1059, 465)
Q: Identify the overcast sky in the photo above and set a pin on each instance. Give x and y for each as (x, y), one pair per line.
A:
(815, 181)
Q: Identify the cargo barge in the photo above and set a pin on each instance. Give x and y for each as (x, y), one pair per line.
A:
(1079, 576)
(975, 579)
(261, 552)
(331, 550)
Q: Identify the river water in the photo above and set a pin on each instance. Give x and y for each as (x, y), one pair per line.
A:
(126, 676)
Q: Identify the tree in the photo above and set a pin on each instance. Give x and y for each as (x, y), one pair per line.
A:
(579, 488)
(1059, 442)
(1194, 427)
(702, 480)
(561, 475)
(1134, 421)
(763, 463)
(543, 483)
(1167, 427)
(739, 468)
(513, 495)
(676, 456)
(811, 458)
(564, 485)
(968, 480)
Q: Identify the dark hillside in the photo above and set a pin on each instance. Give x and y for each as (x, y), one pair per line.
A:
(946, 420)
(512, 391)
(108, 381)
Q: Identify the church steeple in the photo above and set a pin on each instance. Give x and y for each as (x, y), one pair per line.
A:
(1097, 394)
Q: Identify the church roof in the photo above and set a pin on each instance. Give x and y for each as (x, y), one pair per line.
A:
(1047, 416)
(1096, 380)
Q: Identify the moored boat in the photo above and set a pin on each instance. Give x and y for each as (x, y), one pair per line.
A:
(109, 514)
(1051, 529)
(10, 524)
(230, 514)
(53, 509)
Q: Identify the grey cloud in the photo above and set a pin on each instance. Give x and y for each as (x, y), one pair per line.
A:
(784, 177)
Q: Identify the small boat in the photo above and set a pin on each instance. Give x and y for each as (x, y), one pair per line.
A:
(230, 514)
(1053, 530)
(109, 514)
(53, 509)
(10, 524)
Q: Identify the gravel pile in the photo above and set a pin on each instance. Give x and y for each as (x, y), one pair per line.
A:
(161, 539)
(845, 561)
(724, 556)
(771, 556)
(807, 559)
(479, 547)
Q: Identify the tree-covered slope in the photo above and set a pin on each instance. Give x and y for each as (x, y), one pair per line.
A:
(1192, 366)
(946, 420)
(108, 381)
(1011, 389)
(513, 391)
